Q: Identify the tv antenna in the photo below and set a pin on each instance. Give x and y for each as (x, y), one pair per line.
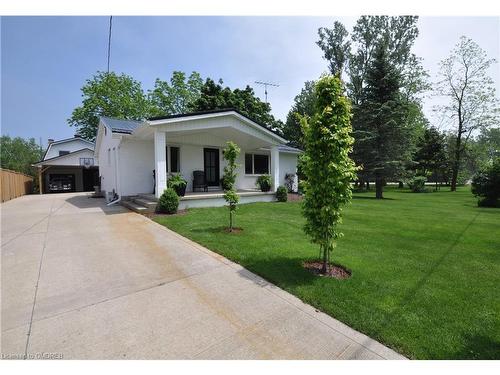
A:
(265, 84)
(109, 38)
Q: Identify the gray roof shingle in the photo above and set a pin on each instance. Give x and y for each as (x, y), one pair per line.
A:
(121, 126)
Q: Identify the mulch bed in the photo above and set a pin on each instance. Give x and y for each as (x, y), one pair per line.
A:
(334, 270)
(235, 230)
(294, 197)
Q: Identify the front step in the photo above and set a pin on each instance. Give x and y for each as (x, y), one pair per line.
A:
(131, 205)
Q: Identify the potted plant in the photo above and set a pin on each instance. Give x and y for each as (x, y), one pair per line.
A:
(178, 183)
(264, 182)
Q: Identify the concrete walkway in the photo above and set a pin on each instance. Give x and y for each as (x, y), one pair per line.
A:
(85, 281)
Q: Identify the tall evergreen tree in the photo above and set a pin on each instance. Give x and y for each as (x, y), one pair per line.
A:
(387, 137)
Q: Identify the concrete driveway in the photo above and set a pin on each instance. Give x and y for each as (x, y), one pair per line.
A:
(85, 281)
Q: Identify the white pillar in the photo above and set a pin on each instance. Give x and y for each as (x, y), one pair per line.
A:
(160, 162)
(275, 167)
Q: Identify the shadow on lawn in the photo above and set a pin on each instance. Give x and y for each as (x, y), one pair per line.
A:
(411, 293)
(285, 272)
(372, 197)
(478, 347)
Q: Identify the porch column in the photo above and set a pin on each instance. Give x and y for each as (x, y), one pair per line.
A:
(275, 167)
(160, 142)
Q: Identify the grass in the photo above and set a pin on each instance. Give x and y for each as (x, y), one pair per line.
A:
(426, 267)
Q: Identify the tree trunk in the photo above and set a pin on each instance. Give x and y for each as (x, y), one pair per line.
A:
(400, 186)
(379, 186)
(324, 269)
(367, 185)
(230, 220)
(458, 145)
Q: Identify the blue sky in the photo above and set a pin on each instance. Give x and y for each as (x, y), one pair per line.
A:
(45, 60)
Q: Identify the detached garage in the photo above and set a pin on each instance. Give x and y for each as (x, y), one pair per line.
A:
(68, 166)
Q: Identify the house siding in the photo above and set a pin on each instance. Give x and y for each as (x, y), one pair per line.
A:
(71, 146)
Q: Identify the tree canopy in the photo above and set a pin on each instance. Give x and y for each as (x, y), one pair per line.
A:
(176, 96)
(470, 93)
(112, 95)
(303, 105)
(18, 154)
(215, 96)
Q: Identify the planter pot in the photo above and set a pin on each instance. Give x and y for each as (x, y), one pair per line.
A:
(180, 190)
(265, 187)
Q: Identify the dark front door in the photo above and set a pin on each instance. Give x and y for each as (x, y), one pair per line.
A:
(211, 162)
(90, 178)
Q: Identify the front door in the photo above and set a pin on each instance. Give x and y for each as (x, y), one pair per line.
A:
(211, 166)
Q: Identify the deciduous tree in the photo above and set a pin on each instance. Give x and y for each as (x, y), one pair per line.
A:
(470, 93)
(327, 165)
(176, 96)
(108, 94)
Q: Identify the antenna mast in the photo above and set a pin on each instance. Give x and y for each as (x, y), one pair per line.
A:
(265, 84)
(109, 38)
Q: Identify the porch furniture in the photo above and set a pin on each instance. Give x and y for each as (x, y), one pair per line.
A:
(199, 180)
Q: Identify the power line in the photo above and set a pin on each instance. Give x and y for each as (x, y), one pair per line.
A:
(109, 39)
(265, 84)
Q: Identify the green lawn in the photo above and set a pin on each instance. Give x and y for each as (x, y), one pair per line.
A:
(425, 267)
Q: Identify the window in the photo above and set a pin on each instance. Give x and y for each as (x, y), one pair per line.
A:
(248, 164)
(61, 152)
(256, 164)
(173, 155)
(174, 160)
(260, 164)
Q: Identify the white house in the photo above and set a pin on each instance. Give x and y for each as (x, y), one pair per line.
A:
(136, 158)
(68, 165)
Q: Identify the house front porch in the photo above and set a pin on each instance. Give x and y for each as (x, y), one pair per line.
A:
(146, 203)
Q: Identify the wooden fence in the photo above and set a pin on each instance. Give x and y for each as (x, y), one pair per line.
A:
(14, 184)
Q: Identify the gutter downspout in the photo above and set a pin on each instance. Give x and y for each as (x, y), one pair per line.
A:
(117, 176)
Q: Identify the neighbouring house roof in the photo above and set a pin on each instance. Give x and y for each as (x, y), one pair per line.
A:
(121, 126)
(214, 111)
(75, 138)
(61, 157)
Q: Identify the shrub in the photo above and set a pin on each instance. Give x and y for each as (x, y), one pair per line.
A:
(282, 194)
(178, 183)
(168, 202)
(417, 184)
(264, 182)
(486, 185)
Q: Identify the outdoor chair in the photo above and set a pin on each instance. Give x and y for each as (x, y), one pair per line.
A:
(199, 181)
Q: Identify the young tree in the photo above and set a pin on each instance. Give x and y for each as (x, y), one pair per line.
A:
(472, 104)
(108, 94)
(215, 96)
(175, 97)
(230, 154)
(387, 140)
(303, 106)
(327, 165)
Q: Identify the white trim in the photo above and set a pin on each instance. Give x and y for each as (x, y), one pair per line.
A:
(40, 163)
(215, 115)
(253, 153)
